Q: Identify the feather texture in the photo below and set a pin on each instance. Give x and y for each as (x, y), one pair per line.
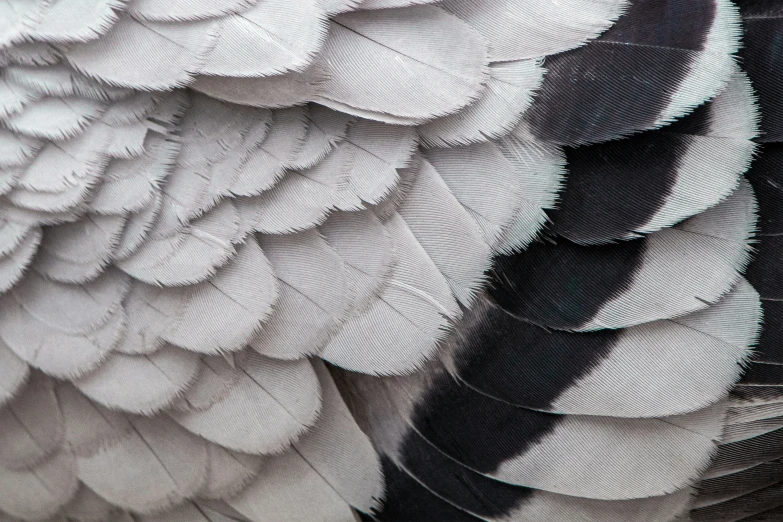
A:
(516, 230)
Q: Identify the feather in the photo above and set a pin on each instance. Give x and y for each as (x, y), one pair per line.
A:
(39, 492)
(150, 311)
(229, 472)
(53, 349)
(313, 295)
(387, 4)
(400, 328)
(620, 189)
(73, 308)
(300, 201)
(720, 489)
(55, 118)
(217, 377)
(186, 10)
(223, 313)
(225, 174)
(325, 130)
(655, 288)
(189, 256)
(377, 73)
(760, 58)
(334, 7)
(429, 412)
(340, 452)
(132, 109)
(78, 252)
(471, 494)
(89, 427)
(16, 150)
(15, 262)
(62, 176)
(17, 18)
(329, 468)
(31, 426)
(77, 21)
(264, 163)
(656, 369)
(273, 92)
(152, 467)
(122, 56)
(586, 98)
(141, 384)
(509, 93)
(14, 98)
(443, 227)
(137, 227)
(537, 28)
(87, 506)
(270, 405)
(128, 141)
(365, 246)
(32, 53)
(524, 176)
(130, 185)
(372, 154)
(62, 81)
(270, 38)
(188, 512)
(14, 373)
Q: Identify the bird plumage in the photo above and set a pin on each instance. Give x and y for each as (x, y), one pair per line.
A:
(391, 260)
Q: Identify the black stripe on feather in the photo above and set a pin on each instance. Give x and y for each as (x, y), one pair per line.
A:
(409, 501)
(564, 285)
(521, 363)
(470, 491)
(770, 344)
(766, 177)
(460, 422)
(763, 373)
(609, 88)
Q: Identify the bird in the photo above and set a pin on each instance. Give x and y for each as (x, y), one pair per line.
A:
(391, 260)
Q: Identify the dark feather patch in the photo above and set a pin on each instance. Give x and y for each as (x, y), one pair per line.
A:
(766, 177)
(712, 491)
(564, 285)
(460, 422)
(738, 509)
(609, 88)
(737, 456)
(409, 501)
(763, 373)
(770, 345)
(614, 188)
(521, 363)
(472, 492)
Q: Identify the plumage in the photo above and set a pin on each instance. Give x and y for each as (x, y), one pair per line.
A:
(313, 283)
(32, 425)
(390, 260)
(142, 383)
(271, 404)
(170, 461)
(453, 74)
